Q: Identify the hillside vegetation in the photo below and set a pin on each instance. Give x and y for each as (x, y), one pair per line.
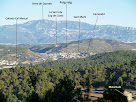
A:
(8, 52)
(19, 83)
(96, 46)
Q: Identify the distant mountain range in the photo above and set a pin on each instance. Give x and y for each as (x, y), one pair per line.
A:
(44, 31)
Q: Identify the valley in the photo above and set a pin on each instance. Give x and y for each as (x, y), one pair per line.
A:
(34, 54)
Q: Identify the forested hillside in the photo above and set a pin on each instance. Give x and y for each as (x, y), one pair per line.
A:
(19, 83)
(126, 73)
(107, 59)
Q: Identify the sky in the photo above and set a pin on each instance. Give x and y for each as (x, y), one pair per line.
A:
(117, 12)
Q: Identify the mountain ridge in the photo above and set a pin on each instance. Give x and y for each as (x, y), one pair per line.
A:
(44, 31)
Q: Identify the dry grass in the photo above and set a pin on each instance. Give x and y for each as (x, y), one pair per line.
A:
(96, 93)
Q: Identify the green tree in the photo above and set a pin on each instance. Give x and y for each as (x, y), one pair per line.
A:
(64, 91)
(120, 81)
(2, 98)
(33, 98)
(34, 78)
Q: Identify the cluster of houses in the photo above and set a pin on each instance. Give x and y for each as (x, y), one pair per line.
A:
(6, 62)
(56, 56)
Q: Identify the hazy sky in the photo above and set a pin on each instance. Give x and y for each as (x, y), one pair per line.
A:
(118, 12)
